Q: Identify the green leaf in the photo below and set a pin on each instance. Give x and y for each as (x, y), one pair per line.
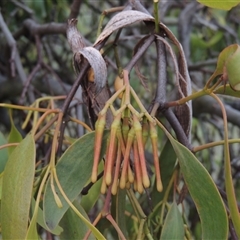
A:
(227, 65)
(41, 222)
(88, 201)
(32, 231)
(17, 190)
(224, 5)
(73, 171)
(1, 178)
(74, 227)
(14, 135)
(204, 193)
(223, 57)
(173, 227)
(227, 90)
(233, 70)
(167, 162)
(3, 153)
(117, 209)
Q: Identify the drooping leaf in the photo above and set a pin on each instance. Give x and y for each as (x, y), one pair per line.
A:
(32, 231)
(118, 204)
(3, 153)
(224, 5)
(167, 161)
(17, 190)
(93, 56)
(173, 227)
(98, 65)
(204, 193)
(73, 171)
(1, 178)
(120, 20)
(184, 111)
(41, 222)
(88, 200)
(73, 226)
(14, 135)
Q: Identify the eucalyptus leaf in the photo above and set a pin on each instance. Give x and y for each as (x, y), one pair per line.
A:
(14, 135)
(73, 226)
(173, 227)
(41, 222)
(3, 153)
(32, 231)
(120, 204)
(73, 170)
(224, 5)
(17, 190)
(167, 162)
(88, 200)
(209, 204)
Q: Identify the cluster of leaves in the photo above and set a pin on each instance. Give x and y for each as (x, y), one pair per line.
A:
(102, 184)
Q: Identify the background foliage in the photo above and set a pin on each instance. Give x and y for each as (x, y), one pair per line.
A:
(36, 76)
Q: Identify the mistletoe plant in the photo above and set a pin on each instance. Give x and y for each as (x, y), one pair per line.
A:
(60, 192)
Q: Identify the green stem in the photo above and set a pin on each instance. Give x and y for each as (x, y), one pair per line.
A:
(164, 201)
(111, 100)
(142, 108)
(115, 225)
(207, 85)
(156, 16)
(140, 230)
(7, 105)
(231, 198)
(39, 195)
(188, 98)
(104, 13)
(139, 212)
(214, 144)
(95, 231)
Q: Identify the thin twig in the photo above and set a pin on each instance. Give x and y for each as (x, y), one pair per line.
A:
(173, 121)
(140, 52)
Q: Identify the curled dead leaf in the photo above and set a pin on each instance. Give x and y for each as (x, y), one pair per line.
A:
(94, 57)
(98, 65)
(75, 39)
(120, 20)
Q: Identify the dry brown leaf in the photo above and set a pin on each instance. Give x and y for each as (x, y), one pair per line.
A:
(98, 65)
(183, 112)
(75, 39)
(120, 20)
(93, 56)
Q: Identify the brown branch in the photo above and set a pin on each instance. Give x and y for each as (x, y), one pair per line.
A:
(75, 7)
(206, 104)
(137, 5)
(161, 72)
(15, 58)
(140, 52)
(34, 71)
(12, 44)
(44, 29)
(185, 26)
